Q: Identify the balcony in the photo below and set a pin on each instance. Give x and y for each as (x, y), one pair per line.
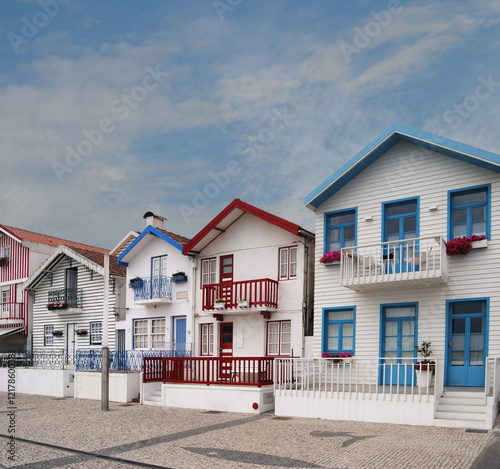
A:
(11, 314)
(152, 290)
(259, 293)
(66, 300)
(410, 262)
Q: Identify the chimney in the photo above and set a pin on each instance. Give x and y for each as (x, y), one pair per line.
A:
(155, 220)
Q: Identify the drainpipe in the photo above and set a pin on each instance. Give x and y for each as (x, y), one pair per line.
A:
(307, 284)
(193, 307)
(105, 348)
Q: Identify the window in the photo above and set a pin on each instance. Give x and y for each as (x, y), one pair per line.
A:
(208, 271)
(340, 230)
(5, 252)
(95, 333)
(288, 263)
(469, 212)
(279, 337)
(207, 339)
(5, 302)
(159, 266)
(338, 330)
(149, 333)
(48, 338)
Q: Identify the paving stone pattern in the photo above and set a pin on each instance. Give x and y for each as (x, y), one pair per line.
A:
(76, 433)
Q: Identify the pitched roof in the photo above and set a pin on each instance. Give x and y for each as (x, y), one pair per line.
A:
(228, 216)
(34, 237)
(177, 241)
(384, 142)
(98, 258)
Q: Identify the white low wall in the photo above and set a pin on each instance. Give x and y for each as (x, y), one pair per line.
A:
(359, 410)
(123, 387)
(56, 383)
(221, 398)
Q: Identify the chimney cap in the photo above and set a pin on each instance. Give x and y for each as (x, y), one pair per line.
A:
(151, 214)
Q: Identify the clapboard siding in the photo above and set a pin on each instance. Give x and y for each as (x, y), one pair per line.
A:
(404, 171)
(92, 310)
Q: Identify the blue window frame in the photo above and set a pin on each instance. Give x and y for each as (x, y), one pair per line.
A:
(339, 330)
(469, 212)
(340, 230)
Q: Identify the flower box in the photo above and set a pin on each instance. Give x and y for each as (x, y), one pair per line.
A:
(462, 246)
(480, 243)
(243, 303)
(57, 333)
(52, 306)
(220, 305)
(81, 332)
(179, 278)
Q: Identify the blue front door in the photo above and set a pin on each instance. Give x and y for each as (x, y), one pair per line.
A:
(179, 335)
(398, 344)
(400, 223)
(466, 343)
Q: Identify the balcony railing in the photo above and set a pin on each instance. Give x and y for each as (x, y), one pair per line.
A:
(356, 378)
(11, 313)
(260, 293)
(40, 359)
(244, 371)
(417, 261)
(73, 297)
(150, 288)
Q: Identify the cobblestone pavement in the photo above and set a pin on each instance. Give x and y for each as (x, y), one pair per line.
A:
(58, 433)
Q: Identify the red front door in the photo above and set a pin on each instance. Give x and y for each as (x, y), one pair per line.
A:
(226, 279)
(226, 350)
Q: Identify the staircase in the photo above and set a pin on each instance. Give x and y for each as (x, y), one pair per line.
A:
(461, 409)
(154, 397)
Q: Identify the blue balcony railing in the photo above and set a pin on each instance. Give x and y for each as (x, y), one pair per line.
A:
(149, 288)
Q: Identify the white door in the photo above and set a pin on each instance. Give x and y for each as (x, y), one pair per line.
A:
(70, 343)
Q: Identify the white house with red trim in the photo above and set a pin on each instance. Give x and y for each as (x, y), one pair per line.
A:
(388, 217)
(21, 253)
(252, 281)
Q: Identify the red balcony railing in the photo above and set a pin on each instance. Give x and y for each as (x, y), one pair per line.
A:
(11, 312)
(253, 371)
(260, 293)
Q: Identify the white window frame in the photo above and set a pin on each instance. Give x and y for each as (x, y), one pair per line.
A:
(5, 301)
(207, 339)
(208, 271)
(48, 338)
(96, 333)
(282, 330)
(5, 252)
(152, 333)
(288, 263)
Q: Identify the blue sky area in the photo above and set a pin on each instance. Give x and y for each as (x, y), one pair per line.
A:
(111, 109)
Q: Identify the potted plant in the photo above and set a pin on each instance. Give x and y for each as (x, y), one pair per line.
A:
(179, 277)
(135, 282)
(57, 305)
(219, 303)
(343, 357)
(332, 257)
(243, 302)
(425, 368)
(462, 245)
(57, 333)
(81, 331)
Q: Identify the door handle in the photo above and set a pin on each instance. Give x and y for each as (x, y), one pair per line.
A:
(449, 344)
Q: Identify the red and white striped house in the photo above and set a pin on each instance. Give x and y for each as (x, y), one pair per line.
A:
(21, 253)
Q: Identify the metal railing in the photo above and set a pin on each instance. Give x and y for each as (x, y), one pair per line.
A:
(127, 360)
(156, 287)
(408, 259)
(261, 292)
(354, 378)
(244, 371)
(40, 359)
(71, 297)
(11, 312)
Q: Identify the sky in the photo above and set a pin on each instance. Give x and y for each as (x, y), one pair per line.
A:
(112, 109)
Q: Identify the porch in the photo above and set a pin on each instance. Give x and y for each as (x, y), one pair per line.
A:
(377, 391)
(408, 262)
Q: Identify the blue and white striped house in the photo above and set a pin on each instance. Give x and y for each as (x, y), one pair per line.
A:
(386, 216)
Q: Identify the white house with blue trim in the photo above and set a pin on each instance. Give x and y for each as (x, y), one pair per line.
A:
(390, 284)
(159, 314)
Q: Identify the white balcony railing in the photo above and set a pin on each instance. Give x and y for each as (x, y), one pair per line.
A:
(356, 378)
(416, 261)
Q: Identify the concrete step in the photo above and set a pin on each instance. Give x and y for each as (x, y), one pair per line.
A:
(152, 403)
(461, 408)
(466, 416)
(462, 400)
(450, 423)
(465, 394)
(155, 398)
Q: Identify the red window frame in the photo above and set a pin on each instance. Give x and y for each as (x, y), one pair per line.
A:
(288, 249)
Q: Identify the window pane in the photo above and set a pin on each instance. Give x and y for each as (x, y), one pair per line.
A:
(391, 329)
(342, 219)
(400, 312)
(479, 229)
(410, 224)
(392, 227)
(459, 231)
(408, 328)
(479, 213)
(333, 343)
(468, 307)
(401, 208)
(347, 329)
(476, 325)
(347, 343)
(338, 315)
(335, 235)
(391, 344)
(476, 359)
(333, 330)
(458, 326)
(459, 216)
(458, 342)
(349, 232)
(476, 341)
(408, 344)
(479, 195)
(457, 358)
